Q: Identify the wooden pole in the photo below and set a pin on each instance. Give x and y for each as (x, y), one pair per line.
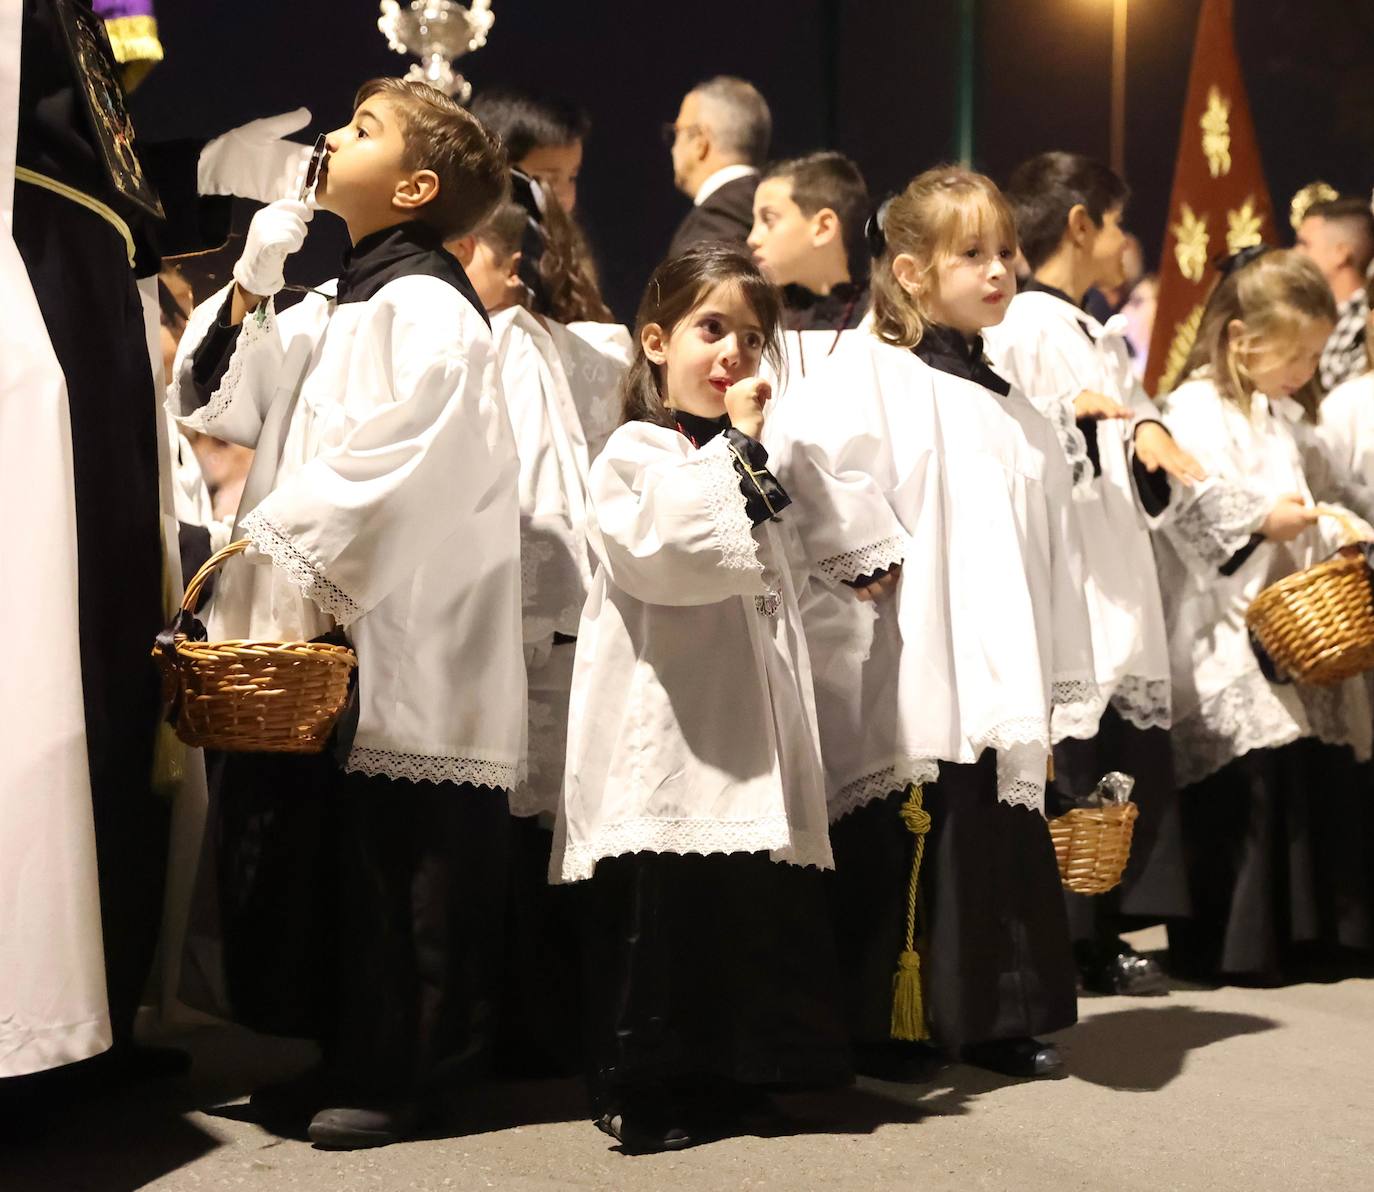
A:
(963, 123)
(1118, 131)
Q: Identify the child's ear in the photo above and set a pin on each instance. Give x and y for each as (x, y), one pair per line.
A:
(825, 227)
(463, 247)
(654, 343)
(1234, 330)
(414, 192)
(513, 271)
(1080, 226)
(907, 270)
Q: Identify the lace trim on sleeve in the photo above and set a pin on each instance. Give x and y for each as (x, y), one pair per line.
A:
(1076, 709)
(877, 556)
(730, 525)
(1021, 772)
(1072, 440)
(255, 328)
(303, 571)
(424, 767)
(1144, 703)
(1218, 522)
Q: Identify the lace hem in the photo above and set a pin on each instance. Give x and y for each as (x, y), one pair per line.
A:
(1078, 720)
(428, 767)
(253, 330)
(1144, 703)
(1073, 442)
(1021, 772)
(770, 834)
(725, 504)
(1218, 522)
(1018, 732)
(1022, 792)
(880, 784)
(303, 571)
(886, 552)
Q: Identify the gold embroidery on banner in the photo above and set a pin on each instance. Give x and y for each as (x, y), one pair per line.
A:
(1243, 226)
(1184, 335)
(1306, 198)
(1191, 249)
(1216, 133)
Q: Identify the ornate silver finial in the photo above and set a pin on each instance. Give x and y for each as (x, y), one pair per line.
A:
(437, 32)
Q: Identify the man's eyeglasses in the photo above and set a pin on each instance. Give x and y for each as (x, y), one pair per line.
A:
(670, 132)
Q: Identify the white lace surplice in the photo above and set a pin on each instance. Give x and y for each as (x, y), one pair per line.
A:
(595, 357)
(692, 725)
(1051, 351)
(383, 490)
(889, 461)
(1223, 705)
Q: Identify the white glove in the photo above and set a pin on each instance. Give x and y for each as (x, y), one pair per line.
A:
(276, 232)
(254, 162)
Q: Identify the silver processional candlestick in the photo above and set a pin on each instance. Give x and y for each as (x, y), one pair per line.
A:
(437, 32)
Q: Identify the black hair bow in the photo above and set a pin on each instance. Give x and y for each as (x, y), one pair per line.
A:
(1238, 260)
(873, 229)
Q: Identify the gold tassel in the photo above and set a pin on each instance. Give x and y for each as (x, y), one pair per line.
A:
(908, 1007)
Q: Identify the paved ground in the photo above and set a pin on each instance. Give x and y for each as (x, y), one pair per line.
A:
(1207, 1089)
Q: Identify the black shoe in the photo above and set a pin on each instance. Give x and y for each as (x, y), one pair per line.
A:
(290, 1104)
(641, 1136)
(356, 1128)
(1027, 1058)
(1123, 971)
(898, 1061)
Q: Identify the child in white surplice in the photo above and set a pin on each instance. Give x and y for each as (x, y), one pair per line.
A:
(693, 797)
(364, 907)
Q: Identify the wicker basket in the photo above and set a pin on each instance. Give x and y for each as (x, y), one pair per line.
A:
(1318, 624)
(269, 697)
(1092, 846)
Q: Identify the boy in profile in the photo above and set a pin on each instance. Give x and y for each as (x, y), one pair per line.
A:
(382, 504)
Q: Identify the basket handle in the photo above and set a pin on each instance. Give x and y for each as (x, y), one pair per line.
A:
(192, 597)
(1350, 525)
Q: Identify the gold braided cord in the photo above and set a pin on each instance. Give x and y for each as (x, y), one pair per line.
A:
(908, 1008)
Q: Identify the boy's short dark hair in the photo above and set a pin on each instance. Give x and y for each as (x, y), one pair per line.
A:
(1046, 188)
(442, 135)
(829, 179)
(525, 122)
(1356, 220)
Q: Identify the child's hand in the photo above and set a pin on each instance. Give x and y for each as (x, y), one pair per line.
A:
(1156, 448)
(1289, 517)
(882, 587)
(744, 402)
(1097, 406)
(276, 232)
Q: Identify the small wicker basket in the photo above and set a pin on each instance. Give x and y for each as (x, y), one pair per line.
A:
(260, 696)
(1092, 846)
(1317, 625)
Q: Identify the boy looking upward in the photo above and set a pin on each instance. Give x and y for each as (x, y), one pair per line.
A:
(808, 237)
(381, 505)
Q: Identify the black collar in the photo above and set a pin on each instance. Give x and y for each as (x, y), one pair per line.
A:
(839, 310)
(1034, 285)
(699, 430)
(948, 351)
(405, 250)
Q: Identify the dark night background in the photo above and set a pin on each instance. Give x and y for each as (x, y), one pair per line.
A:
(874, 78)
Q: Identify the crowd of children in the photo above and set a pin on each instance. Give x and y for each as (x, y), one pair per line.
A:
(716, 680)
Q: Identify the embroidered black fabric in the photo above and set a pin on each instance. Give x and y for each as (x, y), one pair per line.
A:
(764, 497)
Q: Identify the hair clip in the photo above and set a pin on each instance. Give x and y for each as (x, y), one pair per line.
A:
(1238, 260)
(873, 229)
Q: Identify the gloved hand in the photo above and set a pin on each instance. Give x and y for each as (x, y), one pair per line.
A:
(254, 162)
(276, 232)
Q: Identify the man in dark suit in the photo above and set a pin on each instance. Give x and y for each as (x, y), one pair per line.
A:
(718, 142)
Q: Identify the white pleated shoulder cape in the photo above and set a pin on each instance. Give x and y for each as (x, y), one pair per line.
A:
(1052, 351)
(889, 461)
(384, 492)
(692, 726)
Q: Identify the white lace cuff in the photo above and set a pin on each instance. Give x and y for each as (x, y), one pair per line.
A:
(1077, 707)
(302, 570)
(731, 528)
(880, 784)
(1144, 703)
(680, 836)
(1072, 440)
(254, 329)
(1021, 772)
(877, 556)
(425, 767)
(1218, 522)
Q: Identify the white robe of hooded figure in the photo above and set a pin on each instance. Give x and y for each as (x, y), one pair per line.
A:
(1051, 351)
(692, 727)
(52, 966)
(1223, 705)
(383, 492)
(555, 566)
(890, 461)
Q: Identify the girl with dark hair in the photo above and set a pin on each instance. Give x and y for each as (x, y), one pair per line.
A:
(693, 803)
(1277, 823)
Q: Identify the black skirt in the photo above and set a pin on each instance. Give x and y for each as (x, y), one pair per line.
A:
(709, 968)
(1280, 853)
(1155, 884)
(992, 932)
